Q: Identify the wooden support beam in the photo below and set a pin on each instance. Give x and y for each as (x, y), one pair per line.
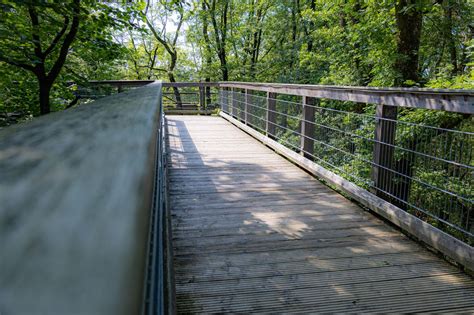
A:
(307, 127)
(271, 115)
(385, 131)
(202, 98)
(208, 95)
(226, 100)
(460, 101)
(242, 105)
(234, 103)
(248, 99)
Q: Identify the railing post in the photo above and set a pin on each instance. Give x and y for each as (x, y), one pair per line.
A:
(247, 106)
(222, 98)
(208, 93)
(271, 114)
(234, 103)
(202, 98)
(383, 158)
(242, 105)
(226, 105)
(119, 88)
(307, 127)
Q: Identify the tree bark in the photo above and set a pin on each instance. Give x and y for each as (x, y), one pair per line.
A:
(220, 33)
(256, 39)
(44, 93)
(171, 78)
(208, 52)
(409, 20)
(448, 16)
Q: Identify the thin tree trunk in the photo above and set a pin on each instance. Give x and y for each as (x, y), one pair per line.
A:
(177, 95)
(448, 15)
(311, 27)
(207, 42)
(220, 33)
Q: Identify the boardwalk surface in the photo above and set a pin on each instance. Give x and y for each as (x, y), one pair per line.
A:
(254, 233)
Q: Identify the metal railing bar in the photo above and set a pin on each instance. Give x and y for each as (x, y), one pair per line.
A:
(363, 115)
(454, 163)
(374, 164)
(368, 139)
(369, 183)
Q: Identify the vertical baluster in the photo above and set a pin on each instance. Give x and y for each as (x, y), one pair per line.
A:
(234, 103)
(241, 105)
(383, 149)
(202, 99)
(307, 127)
(271, 114)
(247, 106)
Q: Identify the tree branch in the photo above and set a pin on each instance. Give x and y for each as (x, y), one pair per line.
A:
(152, 68)
(17, 63)
(180, 23)
(35, 34)
(58, 36)
(71, 35)
(158, 37)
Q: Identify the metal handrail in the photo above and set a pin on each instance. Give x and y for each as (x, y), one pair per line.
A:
(158, 291)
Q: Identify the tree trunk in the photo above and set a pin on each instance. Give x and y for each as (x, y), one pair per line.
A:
(220, 33)
(310, 28)
(44, 92)
(223, 60)
(409, 23)
(208, 93)
(448, 16)
(177, 95)
(208, 52)
(409, 19)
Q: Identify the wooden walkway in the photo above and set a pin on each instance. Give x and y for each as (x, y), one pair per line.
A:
(254, 233)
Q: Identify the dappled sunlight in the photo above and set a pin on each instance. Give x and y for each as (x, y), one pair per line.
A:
(285, 225)
(252, 229)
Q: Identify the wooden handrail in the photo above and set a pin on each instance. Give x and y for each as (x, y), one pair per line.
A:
(132, 83)
(121, 82)
(75, 197)
(459, 101)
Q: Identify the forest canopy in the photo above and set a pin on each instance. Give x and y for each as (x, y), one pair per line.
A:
(46, 45)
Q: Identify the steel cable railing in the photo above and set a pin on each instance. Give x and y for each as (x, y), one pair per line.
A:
(423, 168)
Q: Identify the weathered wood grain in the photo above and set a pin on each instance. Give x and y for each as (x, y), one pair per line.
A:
(427, 233)
(75, 191)
(460, 101)
(253, 233)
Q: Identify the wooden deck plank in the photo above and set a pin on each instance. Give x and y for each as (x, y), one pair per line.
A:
(254, 233)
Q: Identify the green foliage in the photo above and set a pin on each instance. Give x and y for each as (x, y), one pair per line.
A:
(350, 42)
(32, 39)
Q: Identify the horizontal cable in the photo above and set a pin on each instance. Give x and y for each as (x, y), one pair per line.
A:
(373, 163)
(362, 115)
(369, 139)
(234, 106)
